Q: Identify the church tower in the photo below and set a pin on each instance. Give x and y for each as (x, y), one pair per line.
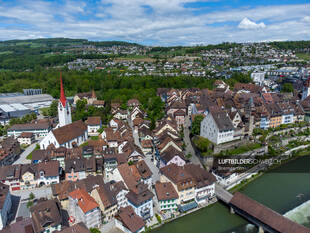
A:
(64, 110)
(306, 89)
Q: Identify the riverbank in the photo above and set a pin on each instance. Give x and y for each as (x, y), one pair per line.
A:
(276, 188)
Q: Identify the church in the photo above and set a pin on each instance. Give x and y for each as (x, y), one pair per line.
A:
(66, 134)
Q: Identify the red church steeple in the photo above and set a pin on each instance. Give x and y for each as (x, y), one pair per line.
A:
(62, 99)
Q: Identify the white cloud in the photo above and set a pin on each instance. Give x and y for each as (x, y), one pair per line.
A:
(248, 24)
(159, 22)
(306, 19)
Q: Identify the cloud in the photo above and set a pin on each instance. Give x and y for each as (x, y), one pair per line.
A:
(306, 19)
(248, 24)
(155, 22)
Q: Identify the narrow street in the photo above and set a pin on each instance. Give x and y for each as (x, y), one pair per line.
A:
(189, 148)
(22, 157)
(148, 157)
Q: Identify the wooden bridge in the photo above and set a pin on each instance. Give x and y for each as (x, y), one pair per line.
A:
(265, 218)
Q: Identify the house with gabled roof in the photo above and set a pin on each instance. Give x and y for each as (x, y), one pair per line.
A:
(133, 103)
(167, 196)
(68, 136)
(191, 182)
(217, 127)
(128, 221)
(93, 125)
(172, 155)
(84, 208)
(107, 202)
(121, 114)
(46, 216)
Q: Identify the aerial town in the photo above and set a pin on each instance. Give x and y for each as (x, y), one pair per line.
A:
(133, 174)
(154, 116)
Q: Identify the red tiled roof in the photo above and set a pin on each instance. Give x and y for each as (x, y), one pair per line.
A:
(165, 191)
(85, 201)
(130, 219)
(96, 120)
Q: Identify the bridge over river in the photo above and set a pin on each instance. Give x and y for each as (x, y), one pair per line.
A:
(265, 218)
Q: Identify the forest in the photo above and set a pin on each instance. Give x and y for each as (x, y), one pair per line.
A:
(108, 86)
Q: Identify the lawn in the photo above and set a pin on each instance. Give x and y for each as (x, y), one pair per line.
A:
(29, 157)
(5, 52)
(243, 149)
(305, 56)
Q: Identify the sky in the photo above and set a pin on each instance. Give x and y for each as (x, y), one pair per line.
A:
(157, 22)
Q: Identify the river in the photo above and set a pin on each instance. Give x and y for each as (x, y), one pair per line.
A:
(281, 189)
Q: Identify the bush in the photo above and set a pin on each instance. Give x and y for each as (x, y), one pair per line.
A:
(202, 144)
(31, 196)
(158, 218)
(29, 204)
(94, 138)
(189, 155)
(29, 157)
(94, 230)
(196, 125)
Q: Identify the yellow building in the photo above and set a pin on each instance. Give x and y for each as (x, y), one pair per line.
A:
(28, 179)
(275, 121)
(107, 202)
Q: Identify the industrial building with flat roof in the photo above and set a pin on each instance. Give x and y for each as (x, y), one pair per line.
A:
(15, 105)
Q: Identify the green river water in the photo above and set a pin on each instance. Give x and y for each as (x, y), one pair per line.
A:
(283, 191)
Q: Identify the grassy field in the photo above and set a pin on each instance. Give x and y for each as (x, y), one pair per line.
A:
(138, 59)
(5, 52)
(305, 56)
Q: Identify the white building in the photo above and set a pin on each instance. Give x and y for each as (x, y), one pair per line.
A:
(47, 173)
(128, 221)
(217, 127)
(306, 90)
(26, 138)
(83, 208)
(93, 125)
(141, 200)
(64, 109)
(39, 129)
(5, 204)
(167, 196)
(67, 136)
(258, 77)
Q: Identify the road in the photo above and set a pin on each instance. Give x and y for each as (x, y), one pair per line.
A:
(148, 157)
(189, 148)
(22, 157)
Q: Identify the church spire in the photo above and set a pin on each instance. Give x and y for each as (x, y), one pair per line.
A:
(93, 94)
(62, 93)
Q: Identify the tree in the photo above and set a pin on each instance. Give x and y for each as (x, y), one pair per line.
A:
(196, 125)
(202, 144)
(287, 87)
(31, 196)
(53, 109)
(94, 230)
(29, 204)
